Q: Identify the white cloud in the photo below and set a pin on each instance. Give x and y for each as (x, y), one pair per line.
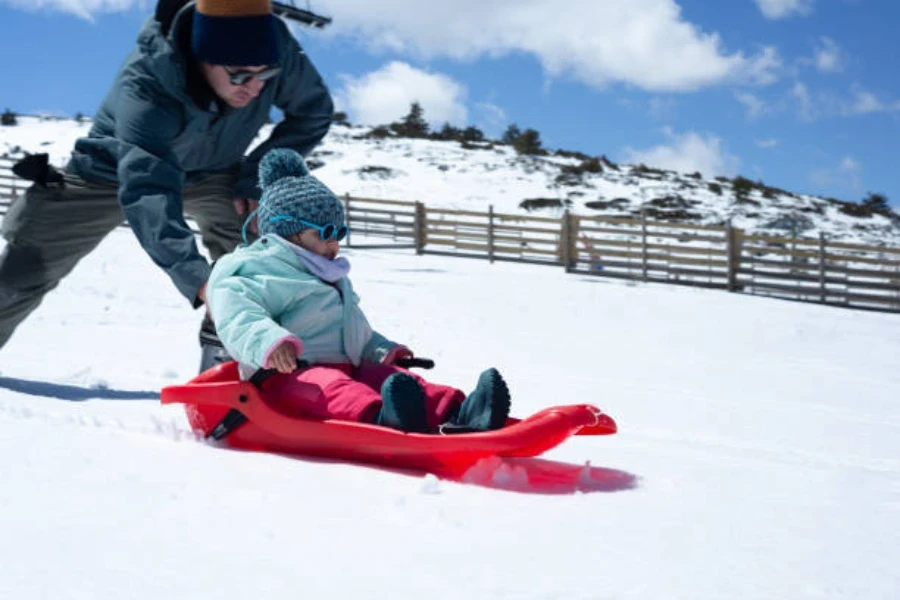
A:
(805, 104)
(846, 175)
(864, 103)
(763, 69)
(768, 143)
(829, 57)
(385, 95)
(756, 107)
(86, 9)
(644, 43)
(686, 153)
(780, 9)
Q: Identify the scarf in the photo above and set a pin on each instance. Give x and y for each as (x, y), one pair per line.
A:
(325, 269)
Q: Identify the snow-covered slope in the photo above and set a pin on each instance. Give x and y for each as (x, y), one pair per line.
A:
(757, 455)
(474, 176)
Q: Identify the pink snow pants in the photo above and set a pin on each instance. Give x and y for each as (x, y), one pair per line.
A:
(352, 393)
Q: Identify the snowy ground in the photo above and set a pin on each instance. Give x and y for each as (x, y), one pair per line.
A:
(758, 454)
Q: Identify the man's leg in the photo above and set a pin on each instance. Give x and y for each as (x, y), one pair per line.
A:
(48, 231)
(210, 203)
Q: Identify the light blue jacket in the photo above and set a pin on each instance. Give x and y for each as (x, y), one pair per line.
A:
(261, 295)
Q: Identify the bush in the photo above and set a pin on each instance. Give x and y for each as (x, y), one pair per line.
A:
(413, 124)
(8, 118)
(715, 188)
(340, 118)
(529, 143)
(530, 204)
(380, 132)
(472, 134)
(448, 133)
(742, 187)
(878, 204)
(511, 135)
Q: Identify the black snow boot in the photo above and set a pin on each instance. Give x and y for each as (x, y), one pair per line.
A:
(486, 408)
(212, 352)
(402, 404)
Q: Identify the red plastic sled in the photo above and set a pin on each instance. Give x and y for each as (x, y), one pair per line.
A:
(271, 427)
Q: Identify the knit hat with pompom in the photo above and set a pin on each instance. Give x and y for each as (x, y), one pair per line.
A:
(290, 195)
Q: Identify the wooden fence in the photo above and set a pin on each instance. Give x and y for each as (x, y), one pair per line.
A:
(723, 257)
(812, 270)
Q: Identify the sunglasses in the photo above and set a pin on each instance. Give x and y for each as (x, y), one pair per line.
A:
(326, 232)
(240, 77)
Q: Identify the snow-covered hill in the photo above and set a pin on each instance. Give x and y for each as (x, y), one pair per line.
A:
(757, 456)
(473, 176)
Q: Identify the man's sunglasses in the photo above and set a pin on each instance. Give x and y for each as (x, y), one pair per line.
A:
(241, 77)
(326, 232)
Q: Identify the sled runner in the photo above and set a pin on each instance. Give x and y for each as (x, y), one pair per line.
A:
(219, 405)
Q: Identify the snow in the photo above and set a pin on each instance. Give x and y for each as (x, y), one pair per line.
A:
(758, 454)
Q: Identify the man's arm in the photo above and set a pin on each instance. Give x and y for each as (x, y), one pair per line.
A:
(308, 109)
(151, 181)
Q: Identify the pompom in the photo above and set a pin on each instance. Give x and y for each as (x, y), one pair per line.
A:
(279, 163)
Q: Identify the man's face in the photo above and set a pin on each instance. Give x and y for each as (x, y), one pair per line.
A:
(236, 96)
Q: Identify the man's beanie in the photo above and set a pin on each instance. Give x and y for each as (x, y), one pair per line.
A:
(236, 33)
(291, 194)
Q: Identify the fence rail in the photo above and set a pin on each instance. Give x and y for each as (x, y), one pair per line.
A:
(721, 257)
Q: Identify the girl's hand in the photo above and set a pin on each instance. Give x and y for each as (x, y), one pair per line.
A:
(283, 358)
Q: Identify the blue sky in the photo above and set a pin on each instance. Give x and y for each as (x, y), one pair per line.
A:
(801, 94)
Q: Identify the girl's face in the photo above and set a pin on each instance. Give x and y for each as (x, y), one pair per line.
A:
(308, 239)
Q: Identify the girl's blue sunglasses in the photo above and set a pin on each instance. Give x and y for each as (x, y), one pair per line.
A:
(326, 232)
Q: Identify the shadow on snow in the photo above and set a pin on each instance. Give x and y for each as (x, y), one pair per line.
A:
(72, 393)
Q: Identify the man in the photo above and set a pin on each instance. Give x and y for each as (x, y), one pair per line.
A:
(168, 140)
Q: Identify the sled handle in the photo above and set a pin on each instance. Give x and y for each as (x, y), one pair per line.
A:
(414, 361)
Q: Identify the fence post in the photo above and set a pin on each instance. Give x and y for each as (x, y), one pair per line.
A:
(420, 228)
(491, 233)
(565, 235)
(644, 242)
(347, 218)
(822, 267)
(733, 240)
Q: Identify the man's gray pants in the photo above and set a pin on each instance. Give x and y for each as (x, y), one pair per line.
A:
(50, 229)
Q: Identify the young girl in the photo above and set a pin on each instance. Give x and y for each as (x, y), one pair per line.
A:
(287, 297)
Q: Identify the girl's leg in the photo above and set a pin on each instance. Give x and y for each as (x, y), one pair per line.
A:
(323, 392)
(441, 401)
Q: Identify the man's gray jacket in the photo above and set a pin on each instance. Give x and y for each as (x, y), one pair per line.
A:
(161, 126)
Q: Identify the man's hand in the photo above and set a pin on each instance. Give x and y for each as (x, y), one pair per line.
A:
(201, 293)
(245, 206)
(283, 358)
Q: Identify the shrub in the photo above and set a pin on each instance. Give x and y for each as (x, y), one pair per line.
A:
(529, 143)
(448, 133)
(413, 124)
(380, 132)
(530, 204)
(715, 188)
(8, 118)
(878, 204)
(472, 134)
(340, 118)
(511, 135)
